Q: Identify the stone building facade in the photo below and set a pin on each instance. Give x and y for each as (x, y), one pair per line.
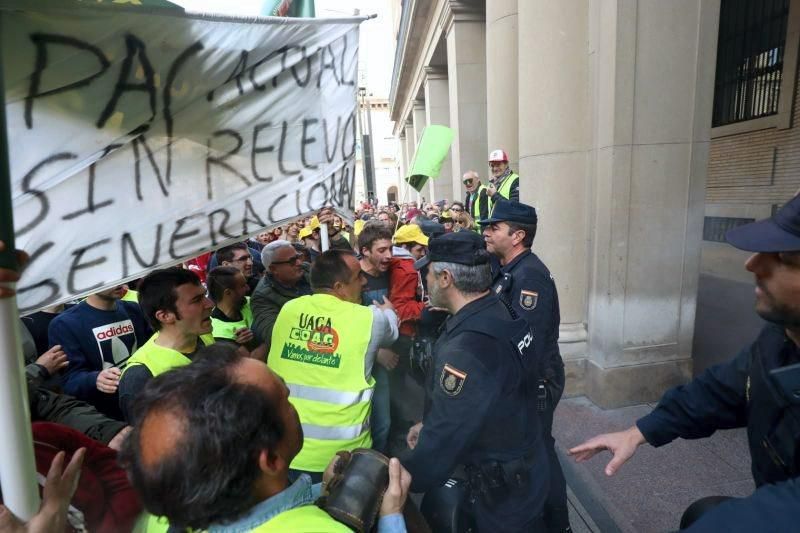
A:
(605, 108)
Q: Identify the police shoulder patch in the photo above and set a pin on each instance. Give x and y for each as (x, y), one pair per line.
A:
(452, 380)
(528, 299)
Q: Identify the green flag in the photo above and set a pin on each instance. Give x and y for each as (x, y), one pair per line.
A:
(431, 151)
(288, 8)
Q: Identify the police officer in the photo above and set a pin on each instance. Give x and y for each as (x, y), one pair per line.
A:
(524, 283)
(473, 417)
(758, 389)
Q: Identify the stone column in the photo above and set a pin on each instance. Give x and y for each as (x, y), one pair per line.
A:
(554, 135)
(437, 111)
(616, 166)
(402, 163)
(466, 73)
(411, 194)
(420, 121)
(502, 109)
(649, 158)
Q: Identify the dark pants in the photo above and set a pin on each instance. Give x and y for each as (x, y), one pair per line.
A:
(556, 512)
(696, 510)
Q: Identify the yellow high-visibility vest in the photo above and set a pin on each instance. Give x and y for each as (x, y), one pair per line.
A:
(227, 330)
(319, 346)
(303, 519)
(505, 188)
(159, 359)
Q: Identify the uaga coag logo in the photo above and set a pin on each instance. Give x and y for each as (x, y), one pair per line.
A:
(313, 341)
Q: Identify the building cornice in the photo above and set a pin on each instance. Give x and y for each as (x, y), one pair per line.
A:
(426, 25)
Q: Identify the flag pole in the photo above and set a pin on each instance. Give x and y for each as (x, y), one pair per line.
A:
(17, 466)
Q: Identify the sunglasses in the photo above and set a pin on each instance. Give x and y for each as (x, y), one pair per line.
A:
(294, 259)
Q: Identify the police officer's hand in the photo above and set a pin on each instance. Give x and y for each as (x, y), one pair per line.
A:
(53, 359)
(383, 306)
(108, 380)
(396, 493)
(10, 276)
(413, 435)
(621, 444)
(244, 335)
(388, 359)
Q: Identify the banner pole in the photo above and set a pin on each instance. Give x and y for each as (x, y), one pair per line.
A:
(325, 240)
(17, 466)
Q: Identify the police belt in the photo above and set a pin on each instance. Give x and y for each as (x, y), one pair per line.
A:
(493, 480)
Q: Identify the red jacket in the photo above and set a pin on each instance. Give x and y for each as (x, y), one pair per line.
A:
(405, 291)
(104, 496)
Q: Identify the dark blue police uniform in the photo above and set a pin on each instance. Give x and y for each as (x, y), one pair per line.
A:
(748, 392)
(472, 415)
(526, 285)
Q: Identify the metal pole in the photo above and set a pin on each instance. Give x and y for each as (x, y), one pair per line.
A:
(371, 148)
(17, 466)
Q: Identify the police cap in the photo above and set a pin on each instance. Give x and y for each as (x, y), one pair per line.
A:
(462, 247)
(779, 233)
(510, 211)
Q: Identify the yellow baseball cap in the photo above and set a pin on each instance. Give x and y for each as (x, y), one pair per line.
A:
(358, 225)
(314, 223)
(305, 232)
(410, 233)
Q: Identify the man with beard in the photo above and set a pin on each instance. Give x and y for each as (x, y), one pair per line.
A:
(758, 389)
(176, 306)
(99, 335)
(211, 449)
(232, 317)
(477, 395)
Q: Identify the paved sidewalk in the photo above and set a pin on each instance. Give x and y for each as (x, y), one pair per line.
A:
(653, 489)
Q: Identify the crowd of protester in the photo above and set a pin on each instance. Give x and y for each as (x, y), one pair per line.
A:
(89, 361)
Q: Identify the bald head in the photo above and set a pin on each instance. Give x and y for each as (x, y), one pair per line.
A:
(471, 180)
(219, 414)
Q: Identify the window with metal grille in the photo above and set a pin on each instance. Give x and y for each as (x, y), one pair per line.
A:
(752, 39)
(715, 228)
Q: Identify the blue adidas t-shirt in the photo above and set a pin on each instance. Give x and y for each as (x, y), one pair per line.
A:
(93, 340)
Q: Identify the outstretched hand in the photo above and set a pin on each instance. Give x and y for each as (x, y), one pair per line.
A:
(58, 490)
(621, 444)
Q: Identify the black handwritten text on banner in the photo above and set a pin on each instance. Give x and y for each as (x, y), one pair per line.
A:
(143, 140)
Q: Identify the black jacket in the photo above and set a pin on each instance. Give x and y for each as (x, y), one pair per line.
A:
(742, 393)
(479, 411)
(526, 285)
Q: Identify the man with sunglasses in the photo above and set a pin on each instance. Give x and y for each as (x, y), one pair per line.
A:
(285, 279)
(477, 198)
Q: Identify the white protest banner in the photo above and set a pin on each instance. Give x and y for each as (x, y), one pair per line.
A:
(140, 139)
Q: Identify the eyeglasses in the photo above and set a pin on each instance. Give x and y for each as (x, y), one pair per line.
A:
(456, 209)
(293, 259)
